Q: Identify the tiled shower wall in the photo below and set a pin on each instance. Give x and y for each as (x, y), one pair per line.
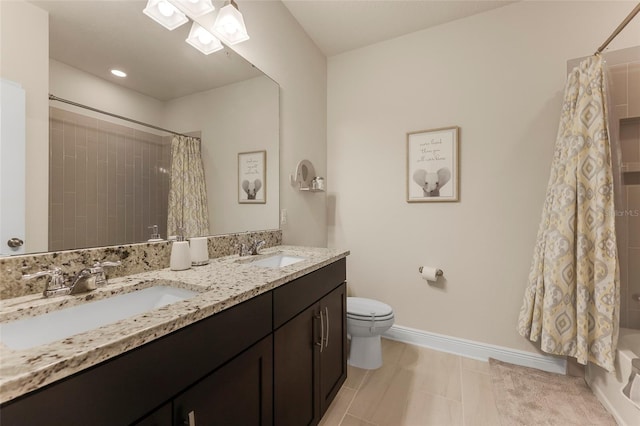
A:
(625, 75)
(107, 182)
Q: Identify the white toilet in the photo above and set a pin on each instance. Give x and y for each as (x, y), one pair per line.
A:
(367, 319)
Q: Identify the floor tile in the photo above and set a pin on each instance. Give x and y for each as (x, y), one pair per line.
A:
(432, 410)
(392, 350)
(355, 376)
(338, 407)
(354, 421)
(478, 400)
(433, 372)
(475, 365)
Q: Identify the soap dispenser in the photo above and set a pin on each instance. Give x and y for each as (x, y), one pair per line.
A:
(155, 235)
(180, 254)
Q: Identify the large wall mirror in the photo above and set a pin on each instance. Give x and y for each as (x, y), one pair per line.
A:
(108, 179)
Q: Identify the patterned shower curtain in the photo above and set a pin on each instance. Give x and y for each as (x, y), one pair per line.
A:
(187, 192)
(572, 300)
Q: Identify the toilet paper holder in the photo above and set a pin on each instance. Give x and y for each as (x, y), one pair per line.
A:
(439, 272)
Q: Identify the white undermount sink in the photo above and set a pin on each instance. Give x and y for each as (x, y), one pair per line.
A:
(60, 324)
(279, 260)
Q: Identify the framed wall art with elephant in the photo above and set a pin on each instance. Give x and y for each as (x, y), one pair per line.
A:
(433, 165)
(252, 172)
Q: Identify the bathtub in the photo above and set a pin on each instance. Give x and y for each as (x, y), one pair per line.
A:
(608, 386)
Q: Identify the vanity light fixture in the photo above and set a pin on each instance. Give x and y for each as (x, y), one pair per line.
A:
(195, 8)
(229, 25)
(165, 14)
(203, 40)
(118, 73)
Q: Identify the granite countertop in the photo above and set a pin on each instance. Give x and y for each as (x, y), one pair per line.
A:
(223, 283)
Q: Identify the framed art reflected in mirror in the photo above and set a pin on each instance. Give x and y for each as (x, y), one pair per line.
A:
(252, 172)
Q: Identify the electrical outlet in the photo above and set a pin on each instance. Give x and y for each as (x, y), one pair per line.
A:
(283, 217)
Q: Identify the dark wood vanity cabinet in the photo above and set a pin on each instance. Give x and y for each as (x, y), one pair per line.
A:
(125, 389)
(278, 358)
(309, 346)
(240, 393)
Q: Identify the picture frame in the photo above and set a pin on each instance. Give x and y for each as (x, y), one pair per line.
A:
(252, 177)
(433, 173)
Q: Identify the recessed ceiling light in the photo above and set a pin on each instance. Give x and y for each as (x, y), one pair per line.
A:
(118, 73)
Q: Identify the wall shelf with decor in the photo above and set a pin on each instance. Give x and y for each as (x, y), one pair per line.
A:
(305, 178)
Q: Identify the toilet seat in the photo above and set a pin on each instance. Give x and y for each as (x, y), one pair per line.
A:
(360, 308)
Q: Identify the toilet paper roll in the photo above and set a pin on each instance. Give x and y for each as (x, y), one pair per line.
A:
(199, 251)
(430, 273)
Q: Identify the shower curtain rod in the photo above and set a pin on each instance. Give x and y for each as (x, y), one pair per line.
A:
(66, 101)
(623, 24)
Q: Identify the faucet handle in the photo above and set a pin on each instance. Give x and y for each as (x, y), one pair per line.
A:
(98, 270)
(55, 283)
(55, 274)
(257, 245)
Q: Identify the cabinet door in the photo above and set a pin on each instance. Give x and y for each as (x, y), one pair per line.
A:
(333, 358)
(296, 353)
(239, 393)
(161, 417)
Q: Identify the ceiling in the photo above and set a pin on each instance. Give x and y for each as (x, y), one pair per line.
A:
(337, 26)
(95, 36)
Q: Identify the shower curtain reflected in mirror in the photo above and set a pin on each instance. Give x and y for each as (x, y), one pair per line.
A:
(572, 300)
(188, 213)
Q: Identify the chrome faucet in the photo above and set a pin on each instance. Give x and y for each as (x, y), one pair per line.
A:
(256, 246)
(87, 279)
(251, 250)
(243, 250)
(83, 281)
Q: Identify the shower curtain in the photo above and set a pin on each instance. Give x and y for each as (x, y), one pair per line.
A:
(187, 192)
(572, 300)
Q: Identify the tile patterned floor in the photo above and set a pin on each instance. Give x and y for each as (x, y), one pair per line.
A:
(416, 387)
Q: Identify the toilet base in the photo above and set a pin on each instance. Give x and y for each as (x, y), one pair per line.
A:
(365, 352)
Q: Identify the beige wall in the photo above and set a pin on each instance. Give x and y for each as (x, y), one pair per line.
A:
(71, 83)
(500, 77)
(236, 118)
(282, 50)
(24, 44)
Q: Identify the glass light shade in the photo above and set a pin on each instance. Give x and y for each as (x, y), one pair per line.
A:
(203, 40)
(229, 25)
(195, 8)
(165, 14)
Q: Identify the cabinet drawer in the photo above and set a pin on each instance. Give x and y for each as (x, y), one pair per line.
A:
(292, 298)
(123, 389)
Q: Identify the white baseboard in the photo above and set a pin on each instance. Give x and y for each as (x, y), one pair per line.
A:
(476, 350)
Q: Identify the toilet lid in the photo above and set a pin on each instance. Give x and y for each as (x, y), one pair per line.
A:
(365, 308)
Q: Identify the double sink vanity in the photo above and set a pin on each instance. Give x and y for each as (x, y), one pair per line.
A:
(242, 340)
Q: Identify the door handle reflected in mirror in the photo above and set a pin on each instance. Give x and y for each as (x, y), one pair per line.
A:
(15, 242)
